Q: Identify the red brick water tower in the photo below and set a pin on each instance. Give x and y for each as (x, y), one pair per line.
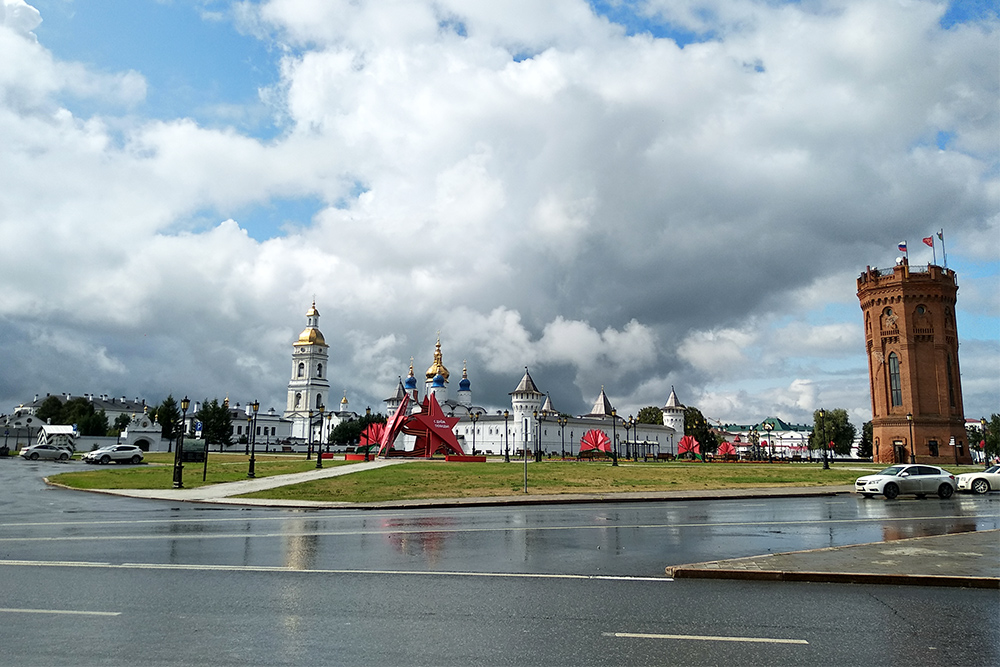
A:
(913, 373)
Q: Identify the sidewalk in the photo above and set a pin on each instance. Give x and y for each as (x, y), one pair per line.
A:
(970, 560)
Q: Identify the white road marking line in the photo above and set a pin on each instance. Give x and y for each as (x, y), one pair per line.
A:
(498, 529)
(705, 638)
(262, 568)
(60, 611)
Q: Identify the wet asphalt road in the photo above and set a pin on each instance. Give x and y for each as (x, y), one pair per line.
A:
(153, 582)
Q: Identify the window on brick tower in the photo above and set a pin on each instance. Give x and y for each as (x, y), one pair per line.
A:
(895, 388)
(933, 446)
(951, 385)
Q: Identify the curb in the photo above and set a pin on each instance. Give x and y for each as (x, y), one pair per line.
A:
(685, 572)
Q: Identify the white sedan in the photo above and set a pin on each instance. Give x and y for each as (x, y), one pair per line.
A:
(983, 481)
(915, 479)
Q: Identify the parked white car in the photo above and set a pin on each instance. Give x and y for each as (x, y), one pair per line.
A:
(983, 481)
(116, 453)
(916, 479)
(50, 452)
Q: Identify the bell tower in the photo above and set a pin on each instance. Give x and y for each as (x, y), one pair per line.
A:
(913, 372)
(309, 387)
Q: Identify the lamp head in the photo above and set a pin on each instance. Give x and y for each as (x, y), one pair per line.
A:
(256, 406)
(506, 414)
(185, 403)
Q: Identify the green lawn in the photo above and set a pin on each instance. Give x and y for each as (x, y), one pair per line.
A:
(438, 479)
(158, 471)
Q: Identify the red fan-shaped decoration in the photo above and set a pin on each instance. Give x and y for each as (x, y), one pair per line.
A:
(595, 440)
(687, 445)
(371, 436)
(727, 449)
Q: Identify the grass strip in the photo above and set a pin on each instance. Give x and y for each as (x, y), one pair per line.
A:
(437, 479)
(158, 473)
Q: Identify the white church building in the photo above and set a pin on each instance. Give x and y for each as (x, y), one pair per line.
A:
(532, 424)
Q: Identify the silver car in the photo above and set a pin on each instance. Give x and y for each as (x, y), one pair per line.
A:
(50, 452)
(916, 479)
(116, 453)
(983, 481)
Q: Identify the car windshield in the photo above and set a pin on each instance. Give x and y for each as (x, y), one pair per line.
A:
(892, 471)
(993, 469)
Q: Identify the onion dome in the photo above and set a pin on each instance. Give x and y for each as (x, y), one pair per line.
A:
(311, 335)
(464, 384)
(437, 368)
(438, 381)
(411, 382)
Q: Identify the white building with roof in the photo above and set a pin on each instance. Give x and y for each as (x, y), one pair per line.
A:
(532, 423)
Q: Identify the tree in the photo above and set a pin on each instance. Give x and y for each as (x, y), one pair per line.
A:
(50, 410)
(696, 426)
(991, 438)
(168, 416)
(650, 415)
(120, 424)
(348, 433)
(216, 423)
(865, 446)
(834, 426)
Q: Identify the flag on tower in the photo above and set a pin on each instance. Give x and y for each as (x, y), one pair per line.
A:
(902, 246)
(929, 240)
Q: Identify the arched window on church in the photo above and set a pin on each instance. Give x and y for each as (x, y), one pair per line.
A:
(319, 370)
(319, 401)
(298, 400)
(302, 369)
(895, 389)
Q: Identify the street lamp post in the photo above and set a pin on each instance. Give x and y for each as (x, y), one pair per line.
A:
(562, 421)
(319, 445)
(179, 450)
(252, 470)
(309, 437)
(506, 437)
(474, 418)
(525, 452)
(822, 427)
(986, 459)
(614, 437)
(913, 454)
(768, 426)
(627, 424)
(539, 418)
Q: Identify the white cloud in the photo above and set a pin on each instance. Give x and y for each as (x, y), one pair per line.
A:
(607, 209)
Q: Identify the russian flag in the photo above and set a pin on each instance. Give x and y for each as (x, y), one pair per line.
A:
(902, 246)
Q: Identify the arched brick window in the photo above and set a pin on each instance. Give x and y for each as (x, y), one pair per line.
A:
(895, 388)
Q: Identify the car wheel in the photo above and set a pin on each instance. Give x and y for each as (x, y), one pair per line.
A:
(890, 491)
(105, 460)
(980, 486)
(33, 456)
(63, 456)
(945, 491)
(136, 459)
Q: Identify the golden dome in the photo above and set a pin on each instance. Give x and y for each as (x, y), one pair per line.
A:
(437, 367)
(311, 336)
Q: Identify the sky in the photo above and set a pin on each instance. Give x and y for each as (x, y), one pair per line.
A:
(627, 195)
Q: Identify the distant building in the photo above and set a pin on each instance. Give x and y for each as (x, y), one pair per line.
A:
(914, 377)
(532, 422)
(771, 437)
